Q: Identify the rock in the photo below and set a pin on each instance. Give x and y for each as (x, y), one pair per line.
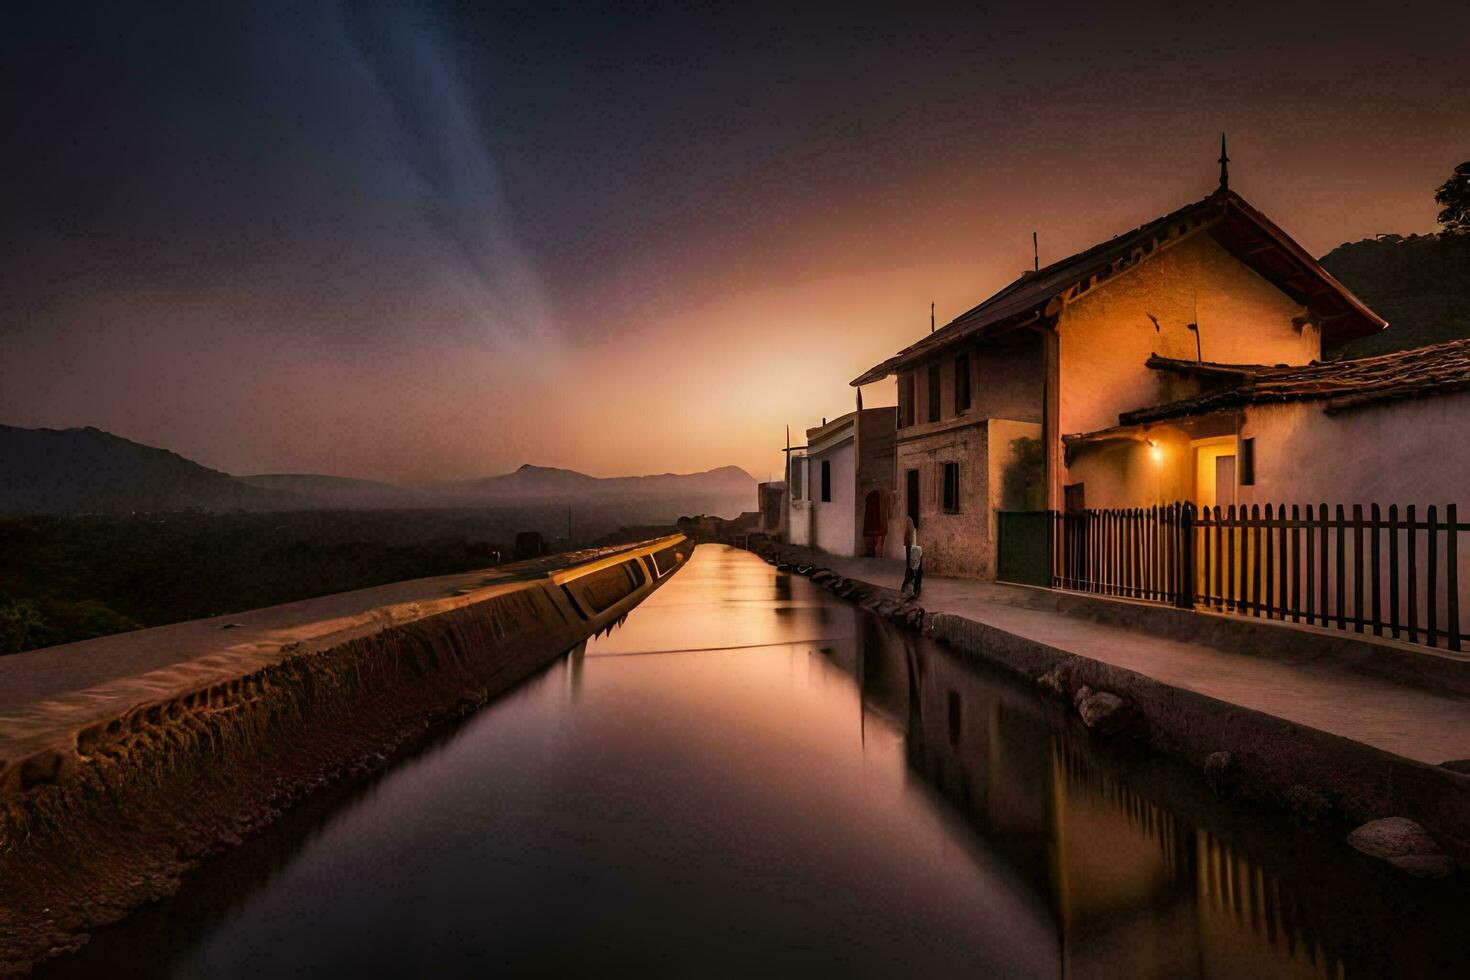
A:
(1108, 714)
(1405, 845)
(1222, 773)
(1082, 694)
(1306, 803)
(1056, 681)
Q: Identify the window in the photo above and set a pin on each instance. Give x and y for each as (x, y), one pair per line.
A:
(952, 487)
(796, 462)
(962, 383)
(911, 491)
(905, 399)
(934, 393)
(826, 481)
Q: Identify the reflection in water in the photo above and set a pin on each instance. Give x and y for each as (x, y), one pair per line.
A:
(1138, 887)
(750, 776)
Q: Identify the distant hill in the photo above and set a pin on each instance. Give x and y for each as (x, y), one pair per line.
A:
(85, 470)
(338, 492)
(1419, 284)
(68, 471)
(546, 481)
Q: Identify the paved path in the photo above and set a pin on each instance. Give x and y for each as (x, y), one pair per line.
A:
(251, 638)
(1408, 721)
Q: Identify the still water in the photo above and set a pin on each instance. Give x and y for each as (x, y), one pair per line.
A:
(752, 778)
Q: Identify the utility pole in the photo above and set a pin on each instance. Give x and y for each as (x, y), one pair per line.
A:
(931, 317)
(1035, 254)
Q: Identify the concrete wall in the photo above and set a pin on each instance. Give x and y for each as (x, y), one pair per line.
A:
(1106, 335)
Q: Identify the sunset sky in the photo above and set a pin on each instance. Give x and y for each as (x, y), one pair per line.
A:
(430, 242)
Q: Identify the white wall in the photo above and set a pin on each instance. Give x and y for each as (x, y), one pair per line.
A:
(1413, 451)
(834, 523)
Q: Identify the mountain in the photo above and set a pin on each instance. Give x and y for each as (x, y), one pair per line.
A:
(529, 480)
(1419, 284)
(546, 481)
(68, 471)
(339, 492)
(85, 470)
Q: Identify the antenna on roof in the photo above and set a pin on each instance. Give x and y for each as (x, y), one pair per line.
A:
(1035, 255)
(1224, 166)
(931, 317)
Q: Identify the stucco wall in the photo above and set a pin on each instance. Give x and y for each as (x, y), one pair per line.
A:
(833, 526)
(1131, 473)
(954, 543)
(799, 511)
(1106, 336)
(1403, 452)
(1406, 452)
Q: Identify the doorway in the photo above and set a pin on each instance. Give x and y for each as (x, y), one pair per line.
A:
(1214, 472)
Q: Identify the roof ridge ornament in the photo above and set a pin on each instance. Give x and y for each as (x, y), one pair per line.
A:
(1224, 166)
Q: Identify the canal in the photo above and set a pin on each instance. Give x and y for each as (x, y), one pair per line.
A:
(751, 777)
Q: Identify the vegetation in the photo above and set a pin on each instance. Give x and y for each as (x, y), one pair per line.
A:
(64, 579)
(1420, 284)
(1454, 195)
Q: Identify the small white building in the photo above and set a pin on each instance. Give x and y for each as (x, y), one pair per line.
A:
(840, 484)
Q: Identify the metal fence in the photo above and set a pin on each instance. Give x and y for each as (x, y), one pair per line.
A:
(1389, 571)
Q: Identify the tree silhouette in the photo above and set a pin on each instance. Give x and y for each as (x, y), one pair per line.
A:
(1454, 194)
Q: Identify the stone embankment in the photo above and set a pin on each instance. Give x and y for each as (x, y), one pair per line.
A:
(1314, 776)
(111, 791)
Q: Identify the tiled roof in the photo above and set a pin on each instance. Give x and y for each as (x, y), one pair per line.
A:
(1434, 370)
(1238, 227)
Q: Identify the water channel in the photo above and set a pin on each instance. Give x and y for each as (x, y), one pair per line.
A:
(751, 777)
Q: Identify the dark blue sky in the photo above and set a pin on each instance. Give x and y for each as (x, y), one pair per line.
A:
(410, 241)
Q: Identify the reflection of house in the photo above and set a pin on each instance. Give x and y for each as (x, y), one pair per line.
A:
(841, 482)
(1064, 350)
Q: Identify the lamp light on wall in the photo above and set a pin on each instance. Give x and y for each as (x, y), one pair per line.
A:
(1155, 451)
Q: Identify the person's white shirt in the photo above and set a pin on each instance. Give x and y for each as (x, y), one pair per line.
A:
(915, 555)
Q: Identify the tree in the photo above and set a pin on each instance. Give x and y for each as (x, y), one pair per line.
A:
(1454, 194)
(21, 625)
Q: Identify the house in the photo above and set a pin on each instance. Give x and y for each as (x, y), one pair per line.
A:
(771, 504)
(985, 401)
(1369, 430)
(841, 484)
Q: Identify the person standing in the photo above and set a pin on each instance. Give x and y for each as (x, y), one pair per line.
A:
(913, 561)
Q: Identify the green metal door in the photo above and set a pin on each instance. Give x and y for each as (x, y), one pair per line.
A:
(1022, 547)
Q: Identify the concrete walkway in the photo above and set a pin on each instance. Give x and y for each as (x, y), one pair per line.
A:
(1406, 720)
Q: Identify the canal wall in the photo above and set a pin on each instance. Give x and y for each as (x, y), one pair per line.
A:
(1315, 776)
(109, 794)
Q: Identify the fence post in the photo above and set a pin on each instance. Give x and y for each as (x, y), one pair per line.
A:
(1185, 598)
(1452, 575)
